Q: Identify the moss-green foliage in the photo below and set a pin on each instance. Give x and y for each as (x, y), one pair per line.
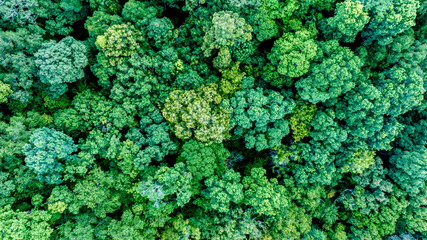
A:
(219, 119)
(5, 91)
(21, 225)
(118, 42)
(300, 119)
(358, 161)
(231, 80)
(203, 161)
(264, 195)
(222, 192)
(292, 54)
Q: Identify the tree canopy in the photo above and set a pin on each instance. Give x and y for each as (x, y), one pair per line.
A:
(213, 119)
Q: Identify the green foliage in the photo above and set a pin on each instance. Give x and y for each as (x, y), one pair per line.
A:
(188, 79)
(18, 68)
(160, 30)
(196, 113)
(415, 131)
(180, 130)
(45, 151)
(403, 87)
(231, 80)
(90, 111)
(168, 189)
(314, 234)
(19, 13)
(259, 117)
(415, 219)
(336, 74)
(223, 60)
(409, 171)
(349, 19)
(109, 6)
(59, 199)
(327, 130)
(227, 29)
(61, 63)
(266, 196)
(388, 18)
(237, 224)
(263, 20)
(24, 225)
(359, 161)
(292, 55)
(119, 42)
(203, 161)
(139, 13)
(300, 119)
(7, 187)
(367, 120)
(153, 138)
(222, 192)
(99, 191)
(54, 18)
(374, 205)
(128, 227)
(98, 23)
(5, 91)
(307, 162)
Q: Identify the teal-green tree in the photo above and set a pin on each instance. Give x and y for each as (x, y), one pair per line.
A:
(409, 168)
(17, 61)
(415, 219)
(388, 18)
(61, 63)
(47, 151)
(336, 73)
(350, 18)
(258, 116)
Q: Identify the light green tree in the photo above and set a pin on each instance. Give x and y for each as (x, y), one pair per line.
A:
(119, 42)
(349, 19)
(227, 29)
(197, 113)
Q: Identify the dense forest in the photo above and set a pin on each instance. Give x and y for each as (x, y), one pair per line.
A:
(213, 119)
